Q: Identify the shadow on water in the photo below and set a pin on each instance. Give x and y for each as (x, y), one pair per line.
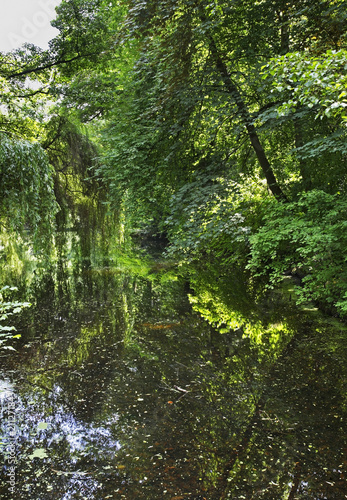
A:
(124, 385)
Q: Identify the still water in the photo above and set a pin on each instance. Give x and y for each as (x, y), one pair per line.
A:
(137, 380)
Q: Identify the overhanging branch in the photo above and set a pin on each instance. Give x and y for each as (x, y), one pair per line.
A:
(49, 65)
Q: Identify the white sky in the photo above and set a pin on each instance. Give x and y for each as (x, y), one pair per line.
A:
(26, 21)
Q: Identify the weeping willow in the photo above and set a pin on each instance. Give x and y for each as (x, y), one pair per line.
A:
(27, 200)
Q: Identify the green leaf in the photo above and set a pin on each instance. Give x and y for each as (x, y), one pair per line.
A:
(39, 453)
(42, 425)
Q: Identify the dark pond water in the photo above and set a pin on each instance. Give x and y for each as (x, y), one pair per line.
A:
(132, 381)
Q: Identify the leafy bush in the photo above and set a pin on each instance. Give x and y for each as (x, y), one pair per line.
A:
(307, 237)
(8, 309)
(206, 218)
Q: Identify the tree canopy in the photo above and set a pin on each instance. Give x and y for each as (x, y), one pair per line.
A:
(215, 122)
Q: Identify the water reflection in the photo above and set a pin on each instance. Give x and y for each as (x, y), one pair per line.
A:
(122, 390)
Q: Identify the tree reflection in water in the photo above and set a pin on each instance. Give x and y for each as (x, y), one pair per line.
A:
(124, 388)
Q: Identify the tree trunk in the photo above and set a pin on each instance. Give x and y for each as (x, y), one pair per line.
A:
(284, 20)
(247, 121)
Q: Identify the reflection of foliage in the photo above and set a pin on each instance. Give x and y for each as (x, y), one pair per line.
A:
(132, 394)
(265, 385)
(17, 259)
(227, 301)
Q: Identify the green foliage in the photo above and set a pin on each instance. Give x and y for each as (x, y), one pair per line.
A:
(206, 218)
(178, 99)
(87, 31)
(307, 237)
(73, 156)
(186, 132)
(8, 308)
(318, 82)
(307, 118)
(27, 198)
